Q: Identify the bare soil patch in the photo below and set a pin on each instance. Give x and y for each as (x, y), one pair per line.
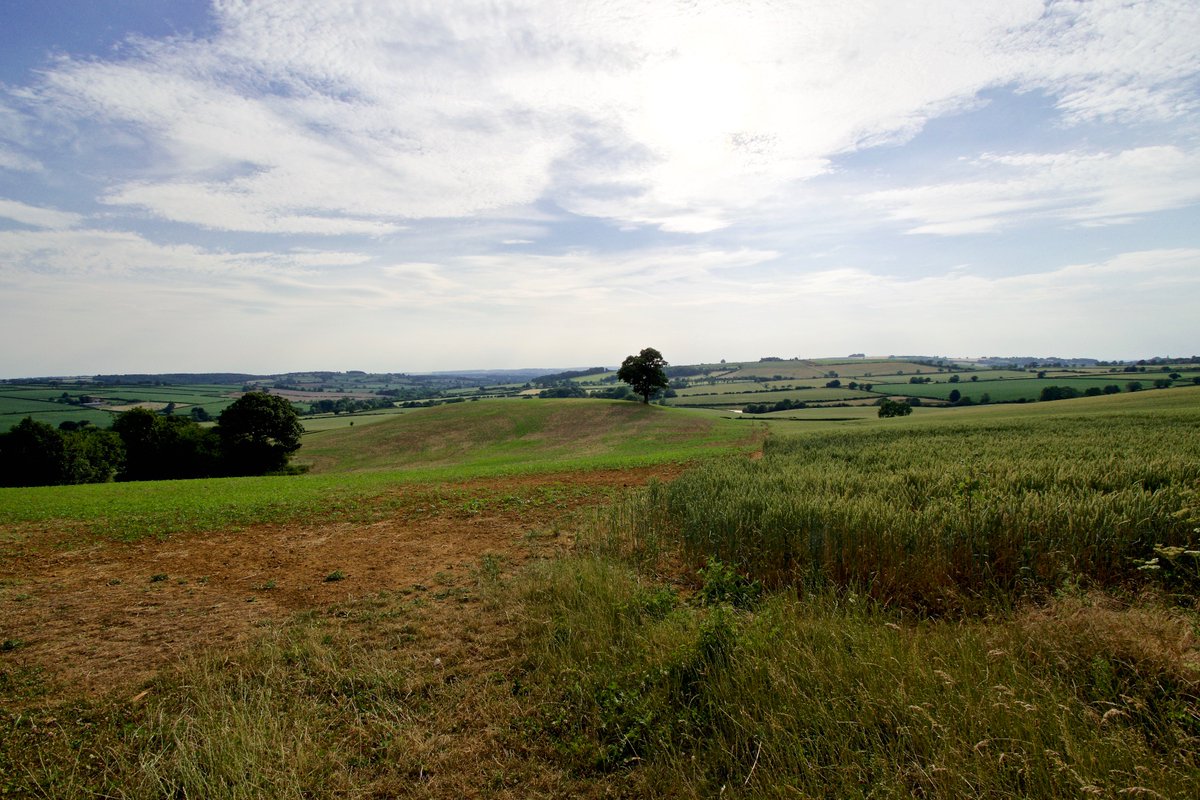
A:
(112, 614)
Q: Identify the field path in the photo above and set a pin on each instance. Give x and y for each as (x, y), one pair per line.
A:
(110, 615)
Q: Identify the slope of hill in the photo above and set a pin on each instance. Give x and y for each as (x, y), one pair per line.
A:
(519, 433)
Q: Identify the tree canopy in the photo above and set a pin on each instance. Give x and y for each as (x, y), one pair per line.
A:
(645, 372)
(894, 408)
(258, 433)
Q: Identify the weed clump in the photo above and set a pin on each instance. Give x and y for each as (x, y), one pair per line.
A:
(723, 584)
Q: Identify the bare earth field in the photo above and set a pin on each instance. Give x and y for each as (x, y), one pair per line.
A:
(111, 615)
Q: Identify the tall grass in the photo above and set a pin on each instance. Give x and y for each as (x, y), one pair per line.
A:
(931, 518)
(831, 697)
(305, 711)
(894, 651)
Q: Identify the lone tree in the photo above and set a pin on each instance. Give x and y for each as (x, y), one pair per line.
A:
(258, 431)
(644, 372)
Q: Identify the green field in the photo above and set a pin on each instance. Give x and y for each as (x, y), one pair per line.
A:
(836, 416)
(990, 499)
(844, 369)
(15, 408)
(723, 400)
(42, 402)
(327, 422)
(521, 435)
(1009, 390)
(991, 601)
(746, 387)
(353, 467)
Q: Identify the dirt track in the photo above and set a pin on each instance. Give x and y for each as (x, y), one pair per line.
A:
(112, 614)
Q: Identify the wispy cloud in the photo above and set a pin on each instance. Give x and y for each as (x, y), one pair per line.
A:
(348, 118)
(17, 162)
(37, 217)
(74, 254)
(1076, 187)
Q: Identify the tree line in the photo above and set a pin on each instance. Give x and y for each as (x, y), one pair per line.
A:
(255, 435)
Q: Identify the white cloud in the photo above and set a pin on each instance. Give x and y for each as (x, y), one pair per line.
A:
(17, 162)
(36, 216)
(1085, 188)
(1114, 60)
(345, 117)
(81, 253)
(236, 207)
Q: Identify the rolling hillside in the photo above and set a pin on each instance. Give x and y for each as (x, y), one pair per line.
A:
(517, 433)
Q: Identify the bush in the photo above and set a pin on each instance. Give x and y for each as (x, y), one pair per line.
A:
(1058, 393)
(258, 434)
(893, 408)
(569, 390)
(723, 584)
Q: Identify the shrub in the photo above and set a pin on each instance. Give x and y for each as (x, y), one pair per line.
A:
(893, 408)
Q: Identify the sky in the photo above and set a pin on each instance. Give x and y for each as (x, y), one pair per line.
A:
(275, 185)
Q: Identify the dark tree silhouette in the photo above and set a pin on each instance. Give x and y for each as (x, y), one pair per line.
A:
(644, 372)
(893, 408)
(32, 453)
(258, 433)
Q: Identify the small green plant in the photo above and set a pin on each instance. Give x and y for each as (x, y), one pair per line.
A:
(266, 586)
(158, 577)
(8, 645)
(336, 575)
(489, 568)
(723, 584)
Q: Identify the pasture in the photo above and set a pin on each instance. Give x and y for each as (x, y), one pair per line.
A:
(727, 399)
(843, 369)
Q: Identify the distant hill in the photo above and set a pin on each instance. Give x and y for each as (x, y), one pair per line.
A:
(493, 375)
(179, 378)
